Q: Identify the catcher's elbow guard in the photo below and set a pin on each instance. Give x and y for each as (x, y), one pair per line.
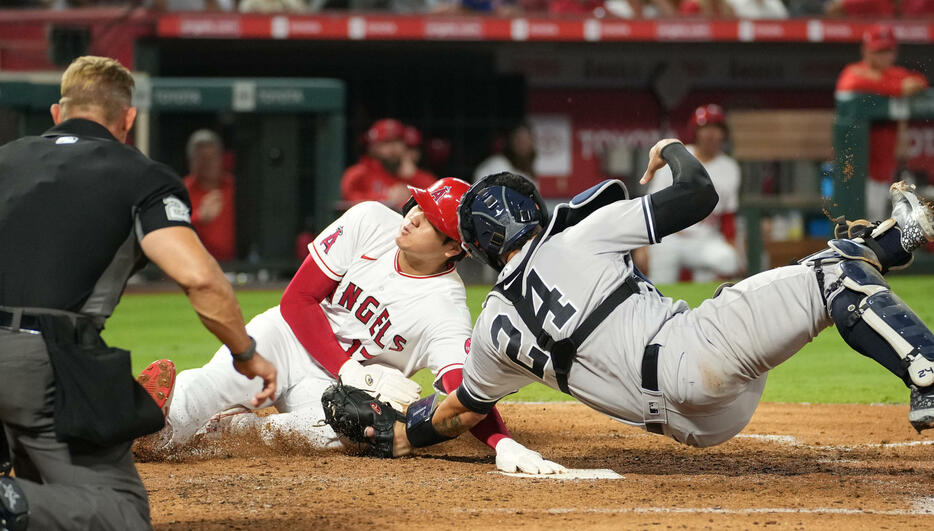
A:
(418, 427)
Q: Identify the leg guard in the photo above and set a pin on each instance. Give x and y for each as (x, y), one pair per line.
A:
(878, 324)
(14, 511)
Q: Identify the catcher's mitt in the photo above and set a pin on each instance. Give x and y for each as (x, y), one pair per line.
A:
(350, 411)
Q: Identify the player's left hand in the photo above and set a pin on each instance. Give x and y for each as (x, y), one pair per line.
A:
(656, 162)
(513, 457)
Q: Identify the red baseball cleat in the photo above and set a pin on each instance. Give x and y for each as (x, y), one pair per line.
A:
(159, 381)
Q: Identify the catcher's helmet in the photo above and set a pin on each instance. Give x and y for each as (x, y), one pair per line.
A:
(439, 202)
(497, 213)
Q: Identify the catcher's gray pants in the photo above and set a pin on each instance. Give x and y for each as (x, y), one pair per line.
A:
(714, 359)
(65, 489)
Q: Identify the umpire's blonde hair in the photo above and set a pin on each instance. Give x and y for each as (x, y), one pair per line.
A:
(91, 83)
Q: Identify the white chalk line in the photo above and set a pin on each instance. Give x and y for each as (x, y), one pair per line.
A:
(925, 507)
(789, 440)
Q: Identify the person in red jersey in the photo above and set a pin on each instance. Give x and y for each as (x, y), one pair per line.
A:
(877, 74)
(375, 177)
(211, 190)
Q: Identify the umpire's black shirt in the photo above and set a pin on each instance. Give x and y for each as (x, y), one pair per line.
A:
(74, 204)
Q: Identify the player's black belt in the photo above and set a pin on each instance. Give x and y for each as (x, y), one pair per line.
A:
(650, 380)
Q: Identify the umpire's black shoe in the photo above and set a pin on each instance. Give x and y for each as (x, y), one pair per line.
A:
(14, 511)
(921, 415)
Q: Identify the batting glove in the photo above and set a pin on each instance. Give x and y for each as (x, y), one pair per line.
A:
(512, 457)
(385, 383)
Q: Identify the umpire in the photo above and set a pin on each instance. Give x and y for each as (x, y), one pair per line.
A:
(80, 211)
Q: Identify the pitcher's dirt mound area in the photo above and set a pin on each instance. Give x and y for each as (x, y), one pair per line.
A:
(795, 466)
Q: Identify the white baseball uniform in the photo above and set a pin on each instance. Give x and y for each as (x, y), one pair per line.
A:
(378, 314)
(713, 360)
(702, 247)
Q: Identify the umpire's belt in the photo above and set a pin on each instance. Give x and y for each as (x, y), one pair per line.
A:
(24, 321)
(650, 383)
(27, 319)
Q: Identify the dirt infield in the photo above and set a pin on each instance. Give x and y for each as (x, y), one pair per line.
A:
(795, 466)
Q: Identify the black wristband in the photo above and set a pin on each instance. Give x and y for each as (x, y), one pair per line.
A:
(247, 354)
(418, 427)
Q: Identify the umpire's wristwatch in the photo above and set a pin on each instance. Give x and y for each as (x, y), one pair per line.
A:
(247, 354)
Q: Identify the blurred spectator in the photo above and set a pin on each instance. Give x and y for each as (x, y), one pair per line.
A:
(517, 156)
(278, 6)
(917, 8)
(376, 176)
(576, 7)
(876, 74)
(410, 170)
(707, 248)
(807, 8)
(191, 5)
(706, 8)
(213, 211)
(599, 8)
(861, 8)
(502, 8)
(759, 9)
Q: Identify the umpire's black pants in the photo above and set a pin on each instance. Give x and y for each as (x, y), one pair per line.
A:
(65, 489)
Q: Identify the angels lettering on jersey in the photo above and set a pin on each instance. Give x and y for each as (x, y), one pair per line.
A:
(364, 309)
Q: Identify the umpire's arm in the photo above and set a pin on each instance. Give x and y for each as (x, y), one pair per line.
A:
(180, 254)
(691, 196)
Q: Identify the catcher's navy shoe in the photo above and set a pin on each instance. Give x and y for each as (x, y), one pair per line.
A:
(921, 415)
(914, 215)
(14, 511)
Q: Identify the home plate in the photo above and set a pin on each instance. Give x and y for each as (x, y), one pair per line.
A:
(572, 473)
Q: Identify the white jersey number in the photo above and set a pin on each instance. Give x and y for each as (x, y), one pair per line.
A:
(535, 359)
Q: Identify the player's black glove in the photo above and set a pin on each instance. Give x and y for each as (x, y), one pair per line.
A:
(350, 411)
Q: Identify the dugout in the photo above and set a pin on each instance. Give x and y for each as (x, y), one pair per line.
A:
(286, 138)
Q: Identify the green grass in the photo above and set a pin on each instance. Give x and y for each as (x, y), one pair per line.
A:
(826, 371)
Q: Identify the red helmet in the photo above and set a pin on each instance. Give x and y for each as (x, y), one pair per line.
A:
(879, 37)
(440, 201)
(710, 114)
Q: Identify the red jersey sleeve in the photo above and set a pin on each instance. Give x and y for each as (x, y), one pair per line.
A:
(858, 78)
(491, 429)
(301, 309)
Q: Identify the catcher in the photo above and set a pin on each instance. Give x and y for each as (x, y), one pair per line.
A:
(572, 312)
(377, 300)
